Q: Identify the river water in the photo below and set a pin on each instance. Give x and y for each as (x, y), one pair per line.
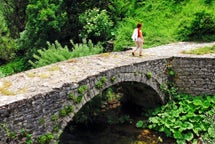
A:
(101, 132)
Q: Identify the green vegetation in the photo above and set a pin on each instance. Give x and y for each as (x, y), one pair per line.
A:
(82, 89)
(26, 27)
(44, 139)
(149, 75)
(97, 24)
(101, 82)
(56, 52)
(66, 110)
(201, 51)
(113, 78)
(7, 44)
(93, 109)
(38, 33)
(169, 21)
(184, 118)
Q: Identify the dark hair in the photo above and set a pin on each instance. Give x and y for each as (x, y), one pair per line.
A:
(139, 25)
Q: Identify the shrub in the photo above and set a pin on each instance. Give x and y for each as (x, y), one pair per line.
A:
(200, 26)
(15, 66)
(96, 25)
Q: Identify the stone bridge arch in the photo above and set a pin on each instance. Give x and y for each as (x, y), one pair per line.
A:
(92, 86)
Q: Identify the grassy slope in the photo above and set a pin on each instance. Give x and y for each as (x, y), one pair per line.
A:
(161, 20)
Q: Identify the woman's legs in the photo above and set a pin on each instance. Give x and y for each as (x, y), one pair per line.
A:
(139, 46)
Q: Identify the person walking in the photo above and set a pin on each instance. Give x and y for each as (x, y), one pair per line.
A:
(138, 38)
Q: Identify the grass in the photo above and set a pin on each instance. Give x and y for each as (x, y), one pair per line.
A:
(201, 51)
(163, 22)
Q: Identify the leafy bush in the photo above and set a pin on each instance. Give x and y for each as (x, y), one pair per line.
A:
(184, 118)
(15, 66)
(199, 26)
(97, 25)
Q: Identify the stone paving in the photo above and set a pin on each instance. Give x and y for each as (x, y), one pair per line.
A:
(30, 83)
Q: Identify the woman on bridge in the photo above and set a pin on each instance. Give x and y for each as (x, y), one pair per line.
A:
(138, 38)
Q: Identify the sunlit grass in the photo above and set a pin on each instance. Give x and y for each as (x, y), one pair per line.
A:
(201, 51)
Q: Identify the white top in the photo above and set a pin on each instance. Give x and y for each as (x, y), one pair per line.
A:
(135, 34)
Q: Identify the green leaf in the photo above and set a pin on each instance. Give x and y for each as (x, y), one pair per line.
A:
(197, 102)
(181, 141)
(188, 136)
(188, 125)
(177, 124)
(178, 135)
(206, 104)
(139, 124)
(196, 130)
(154, 119)
(211, 132)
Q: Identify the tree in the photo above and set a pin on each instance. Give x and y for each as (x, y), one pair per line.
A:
(14, 14)
(7, 44)
(45, 21)
(96, 25)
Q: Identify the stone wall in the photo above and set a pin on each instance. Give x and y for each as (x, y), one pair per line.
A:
(195, 76)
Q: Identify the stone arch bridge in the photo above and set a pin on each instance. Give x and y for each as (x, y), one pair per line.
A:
(44, 100)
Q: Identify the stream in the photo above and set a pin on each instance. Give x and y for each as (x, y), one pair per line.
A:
(102, 132)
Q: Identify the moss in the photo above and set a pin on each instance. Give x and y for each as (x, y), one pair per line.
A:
(82, 89)
(149, 75)
(54, 68)
(113, 78)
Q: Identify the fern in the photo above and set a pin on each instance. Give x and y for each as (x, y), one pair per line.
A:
(56, 53)
(85, 48)
(53, 54)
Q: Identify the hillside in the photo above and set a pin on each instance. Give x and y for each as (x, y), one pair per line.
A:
(170, 21)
